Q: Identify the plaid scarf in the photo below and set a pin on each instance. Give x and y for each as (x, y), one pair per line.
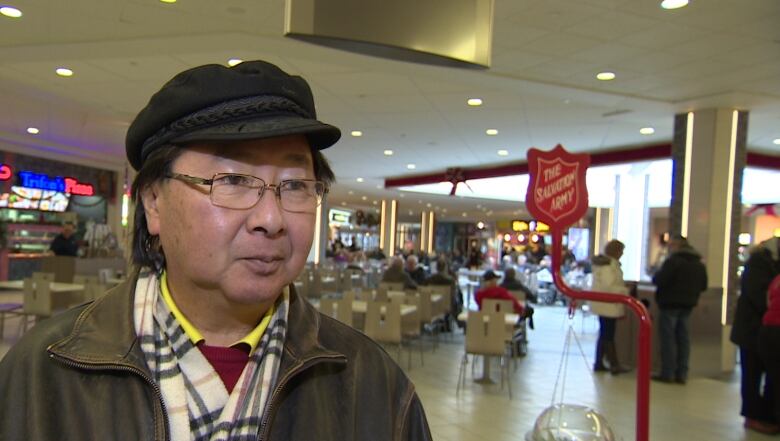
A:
(197, 402)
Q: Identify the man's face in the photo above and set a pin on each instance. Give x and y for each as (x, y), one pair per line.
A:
(245, 255)
(67, 230)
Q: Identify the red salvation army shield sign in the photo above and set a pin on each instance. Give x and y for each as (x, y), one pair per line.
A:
(557, 194)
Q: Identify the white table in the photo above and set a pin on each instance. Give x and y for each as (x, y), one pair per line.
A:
(361, 306)
(56, 287)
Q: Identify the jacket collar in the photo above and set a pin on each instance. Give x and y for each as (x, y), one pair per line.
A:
(104, 334)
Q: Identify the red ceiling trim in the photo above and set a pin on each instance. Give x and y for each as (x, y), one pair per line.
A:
(763, 160)
(646, 153)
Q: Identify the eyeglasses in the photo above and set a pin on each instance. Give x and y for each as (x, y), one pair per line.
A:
(236, 191)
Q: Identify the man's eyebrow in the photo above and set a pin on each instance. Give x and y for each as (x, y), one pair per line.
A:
(298, 159)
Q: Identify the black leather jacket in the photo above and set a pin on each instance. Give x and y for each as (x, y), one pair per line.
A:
(81, 375)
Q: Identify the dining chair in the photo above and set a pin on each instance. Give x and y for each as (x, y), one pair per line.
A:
(485, 336)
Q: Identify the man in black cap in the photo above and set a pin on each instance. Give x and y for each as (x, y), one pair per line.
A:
(208, 339)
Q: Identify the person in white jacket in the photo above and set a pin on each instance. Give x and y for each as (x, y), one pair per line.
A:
(608, 277)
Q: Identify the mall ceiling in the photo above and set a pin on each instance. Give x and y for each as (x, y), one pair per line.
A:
(540, 90)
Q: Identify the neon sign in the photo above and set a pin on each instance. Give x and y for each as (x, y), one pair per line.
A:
(5, 172)
(65, 185)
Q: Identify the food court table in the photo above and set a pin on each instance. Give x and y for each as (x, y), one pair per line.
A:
(56, 287)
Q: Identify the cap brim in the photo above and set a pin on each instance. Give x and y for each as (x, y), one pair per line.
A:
(319, 134)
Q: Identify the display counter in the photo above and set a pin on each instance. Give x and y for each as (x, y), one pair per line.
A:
(705, 333)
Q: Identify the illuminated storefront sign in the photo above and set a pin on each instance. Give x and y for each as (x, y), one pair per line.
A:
(64, 185)
(339, 217)
(5, 172)
(519, 225)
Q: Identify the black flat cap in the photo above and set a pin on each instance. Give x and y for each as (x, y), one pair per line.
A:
(490, 275)
(251, 100)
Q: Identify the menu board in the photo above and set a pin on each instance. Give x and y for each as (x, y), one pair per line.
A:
(24, 198)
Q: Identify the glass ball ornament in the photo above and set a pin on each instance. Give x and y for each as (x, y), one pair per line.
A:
(570, 422)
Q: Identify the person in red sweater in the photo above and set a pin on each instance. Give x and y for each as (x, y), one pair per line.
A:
(769, 346)
(491, 290)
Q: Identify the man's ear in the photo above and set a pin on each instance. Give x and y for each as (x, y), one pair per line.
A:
(149, 198)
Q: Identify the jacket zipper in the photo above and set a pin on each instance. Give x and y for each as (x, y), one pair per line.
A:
(121, 367)
(300, 367)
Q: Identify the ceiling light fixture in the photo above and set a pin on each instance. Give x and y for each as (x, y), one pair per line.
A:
(234, 61)
(365, 198)
(356, 133)
(64, 72)
(167, 1)
(647, 130)
(503, 152)
(359, 179)
(464, 214)
(776, 141)
(474, 102)
(605, 76)
(674, 4)
(388, 152)
(491, 132)
(33, 130)
(10, 12)
(411, 166)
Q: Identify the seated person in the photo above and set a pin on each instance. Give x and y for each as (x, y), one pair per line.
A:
(395, 274)
(491, 290)
(512, 284)
(443, 278)
(416, 272)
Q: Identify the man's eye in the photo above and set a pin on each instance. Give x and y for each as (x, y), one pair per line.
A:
(295, 185)
(238, 180)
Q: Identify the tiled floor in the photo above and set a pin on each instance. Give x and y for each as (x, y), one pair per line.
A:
(704, 409)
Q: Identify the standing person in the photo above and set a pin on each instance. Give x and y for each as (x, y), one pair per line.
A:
(608, 277)
(679, 284)
(769, 350)
(208, 339)
(761, 267)
(65, 243)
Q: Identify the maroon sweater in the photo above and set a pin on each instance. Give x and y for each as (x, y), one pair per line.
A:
(228, 362)
(772, 314)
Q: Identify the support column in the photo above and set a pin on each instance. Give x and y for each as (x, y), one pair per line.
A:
(320, 242)
(630, 220)
(602, 228)
(387, 227)
(709, 152)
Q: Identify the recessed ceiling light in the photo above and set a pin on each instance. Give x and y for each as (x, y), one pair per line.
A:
(491, 132)
(400, 195)
(167, 1)
(776, 141)
(411, 166)
(379, 186)
(64, 72)
(356, 133)
(359, 179)
(344, 204)
(234, 61)
(388, 152)
(673, 4)
(428, 205)
(503, 152)
(647, 130)
(375, 202)
(350, 192)
(10, 12)
(474, 102)
(364, 198)
(605, 76)
(33, 130)
(464, 214)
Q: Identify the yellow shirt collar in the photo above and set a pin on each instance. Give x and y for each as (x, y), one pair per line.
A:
(252, 339)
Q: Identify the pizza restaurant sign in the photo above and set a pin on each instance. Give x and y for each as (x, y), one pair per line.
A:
(557, 193)
(40, 181)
